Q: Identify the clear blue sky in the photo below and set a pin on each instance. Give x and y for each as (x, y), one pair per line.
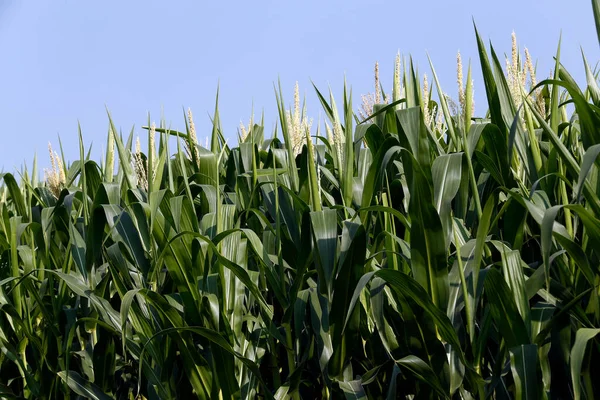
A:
(64, 60)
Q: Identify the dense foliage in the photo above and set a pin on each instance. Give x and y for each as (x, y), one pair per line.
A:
(414, 253)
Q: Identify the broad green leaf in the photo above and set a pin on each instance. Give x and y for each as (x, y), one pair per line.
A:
(583, 336)
(428, 242)
(423, 372)
(324, 228)
(446, 173)
(504, 311)
(596, 7)
(523, 363)
(353, 390)
(81, 386)
(589, 158)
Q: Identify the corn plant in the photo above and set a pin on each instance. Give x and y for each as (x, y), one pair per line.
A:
(403, 249)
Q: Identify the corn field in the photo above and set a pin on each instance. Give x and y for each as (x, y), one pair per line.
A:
(410, 247)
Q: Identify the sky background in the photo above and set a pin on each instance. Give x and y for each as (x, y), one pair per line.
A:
(63, 61)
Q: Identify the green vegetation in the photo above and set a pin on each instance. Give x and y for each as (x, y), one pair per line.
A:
(414, 253)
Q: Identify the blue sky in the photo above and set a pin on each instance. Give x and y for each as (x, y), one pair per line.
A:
(64, 60)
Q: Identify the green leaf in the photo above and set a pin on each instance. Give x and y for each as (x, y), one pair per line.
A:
(353, 390)
(523, 363)
(447, 174)
(413, 128)
(15, 194)
(406, 286)
(81, 386)
(491, 90)
(515, 279)
(423, 372)
(591, 79)
(428, 241)
(78, 250)
(596, 8)
(589, 158)
(504, 311)
(482, 232)
(324, 228)
(582, 337)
